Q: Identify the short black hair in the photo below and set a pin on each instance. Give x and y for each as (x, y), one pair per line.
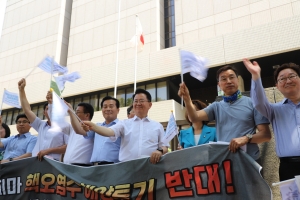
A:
(292, 66)
(129, 109)
(142, 91)
(45, 105)
(7, 130)
(87, 108)
(225, 68)
(21, 116)
(110, 98)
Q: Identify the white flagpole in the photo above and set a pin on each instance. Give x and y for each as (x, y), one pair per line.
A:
(30, 72)
(181, 78)
(117, 56)
(2, 103)
(135, 64)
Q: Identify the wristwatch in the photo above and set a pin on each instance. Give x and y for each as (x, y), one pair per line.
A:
(161, 150)
(10, 159)
(249, 136)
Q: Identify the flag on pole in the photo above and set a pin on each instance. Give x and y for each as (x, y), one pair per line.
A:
(289, 189)
(46, 65)
(171, 130)
(58, 111)
(196, 65)
(61, 80)
(11, 99)
(138, 38)
(55, 88)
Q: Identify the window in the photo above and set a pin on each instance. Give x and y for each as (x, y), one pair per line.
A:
(169, 15)
(152, 90)
(162, 91)
(121, 97)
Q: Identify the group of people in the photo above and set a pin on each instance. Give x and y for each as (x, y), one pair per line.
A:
(239, 120)
(79, 141)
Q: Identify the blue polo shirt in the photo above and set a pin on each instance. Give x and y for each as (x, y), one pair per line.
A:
(18, 145)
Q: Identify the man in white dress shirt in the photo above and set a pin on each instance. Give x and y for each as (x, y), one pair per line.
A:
(140, 136)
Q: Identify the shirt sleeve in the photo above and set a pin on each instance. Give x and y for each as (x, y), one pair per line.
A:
(90, 134)
(118, 129)
(5, 141)
(259, 99)
(210, 111)
(161, 136)
(36, 123)
(31, 144)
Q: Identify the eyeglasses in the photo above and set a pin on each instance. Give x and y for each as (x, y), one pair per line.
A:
(290, 77)
(22, 122)
(141, 101)
(224, 79)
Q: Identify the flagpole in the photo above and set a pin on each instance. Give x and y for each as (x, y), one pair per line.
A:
(117, 56)
(181, 75)
(135, 64)
(2, 102)
(30, 72)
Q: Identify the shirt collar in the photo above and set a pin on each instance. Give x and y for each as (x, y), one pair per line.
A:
(144, 119)
(111, 123)
(23, 135)
(286, 100)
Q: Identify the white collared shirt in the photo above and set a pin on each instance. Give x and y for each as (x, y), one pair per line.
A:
(139, 137)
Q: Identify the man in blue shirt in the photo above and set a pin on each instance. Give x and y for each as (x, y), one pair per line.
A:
(105, 151)
(284, 116)
(21, 145)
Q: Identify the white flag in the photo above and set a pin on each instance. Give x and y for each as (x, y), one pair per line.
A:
(138, 39)
(196, 65)
(289, 190)
(171, 130)
(61, 80)
(58, 111)
(11, 99)
(46, 65)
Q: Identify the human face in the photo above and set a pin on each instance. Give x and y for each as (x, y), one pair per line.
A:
(141, 105)
(110, 110)
(290, 87)
(46, 113)
(23, 125)
(228, 82)
(80, 113)
(131, 114)
(2, 132)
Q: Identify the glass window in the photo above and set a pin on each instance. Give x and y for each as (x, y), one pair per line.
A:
(121, 97)
(151, 89)
(16, 112)
(111, 94)
(34, 109)
(162, 91)
(76, 102)
(9, 117)
(129, 93)
(100, 99)
(40, 113)
(94, 102)
(86, 99)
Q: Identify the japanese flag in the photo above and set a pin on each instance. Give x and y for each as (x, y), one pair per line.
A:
(138, 38)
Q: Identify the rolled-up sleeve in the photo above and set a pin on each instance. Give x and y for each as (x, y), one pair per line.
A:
(118, 129)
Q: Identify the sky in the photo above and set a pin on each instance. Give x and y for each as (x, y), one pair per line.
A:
(2, 12)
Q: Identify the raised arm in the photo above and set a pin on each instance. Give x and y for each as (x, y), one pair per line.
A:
(107, 132)
(24, 102)
(194, 115)
(258, 95)
(76, 124)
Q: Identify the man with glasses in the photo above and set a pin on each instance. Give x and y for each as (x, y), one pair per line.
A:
(49, 143)
(79, 149)
(140, 136)
(21, 145)
(236, 118)
(104, 151)
(284, 116)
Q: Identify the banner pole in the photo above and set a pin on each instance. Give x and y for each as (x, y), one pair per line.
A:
(135, 62)
(117, 56)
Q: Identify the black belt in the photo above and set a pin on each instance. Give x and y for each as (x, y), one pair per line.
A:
(103, 163)
(82, 164)
(290, 159)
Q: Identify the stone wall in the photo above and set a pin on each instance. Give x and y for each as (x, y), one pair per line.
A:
(269, 159)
